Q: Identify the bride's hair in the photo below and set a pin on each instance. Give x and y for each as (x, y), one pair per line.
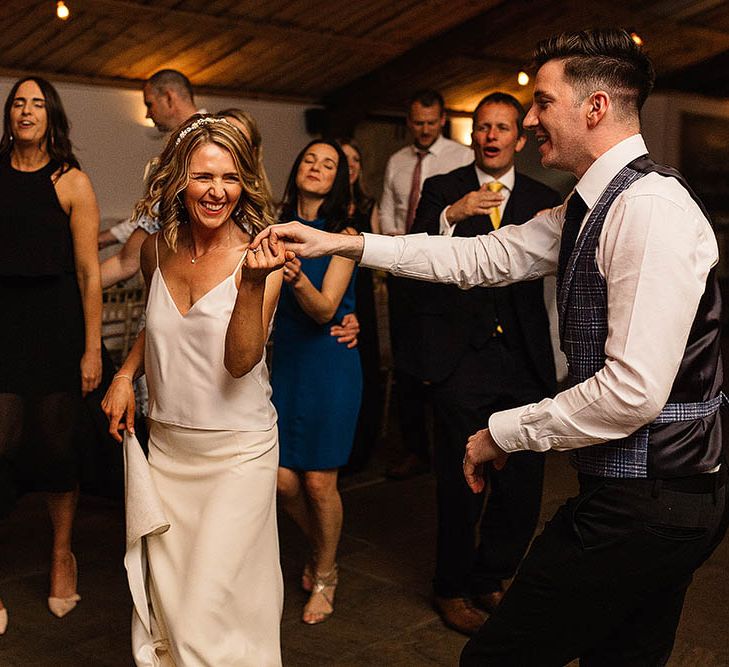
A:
(172, 174)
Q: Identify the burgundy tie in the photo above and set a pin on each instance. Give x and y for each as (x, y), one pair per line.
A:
(414, 190)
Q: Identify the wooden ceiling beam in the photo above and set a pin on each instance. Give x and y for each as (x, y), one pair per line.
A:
(232, 23)
(138, 84)
(466, 40)
(385, 86)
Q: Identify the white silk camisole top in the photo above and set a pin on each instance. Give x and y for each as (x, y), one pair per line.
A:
(183, 359)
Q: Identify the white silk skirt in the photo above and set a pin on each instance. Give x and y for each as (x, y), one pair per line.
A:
(213, 586)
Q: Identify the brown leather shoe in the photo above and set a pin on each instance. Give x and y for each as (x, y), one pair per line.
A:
(459, 614)
(488, 601)
(410, 466)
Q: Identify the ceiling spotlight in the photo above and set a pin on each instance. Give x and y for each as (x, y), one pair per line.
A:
(522, 78)
(62, 12)
(636, 38)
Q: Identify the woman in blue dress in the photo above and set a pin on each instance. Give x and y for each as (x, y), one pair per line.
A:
(317, 382)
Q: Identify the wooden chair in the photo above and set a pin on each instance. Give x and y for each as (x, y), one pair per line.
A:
(122, 308)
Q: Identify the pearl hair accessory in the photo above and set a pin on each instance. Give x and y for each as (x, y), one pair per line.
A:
(205, 120)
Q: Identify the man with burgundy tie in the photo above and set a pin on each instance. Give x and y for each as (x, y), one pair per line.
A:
(429, 154)
(482, 350)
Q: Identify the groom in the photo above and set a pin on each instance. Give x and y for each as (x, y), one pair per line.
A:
(634, 255)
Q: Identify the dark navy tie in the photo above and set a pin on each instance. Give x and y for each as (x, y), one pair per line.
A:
(576, 209)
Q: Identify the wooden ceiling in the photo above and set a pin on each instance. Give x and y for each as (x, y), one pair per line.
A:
(364, 54)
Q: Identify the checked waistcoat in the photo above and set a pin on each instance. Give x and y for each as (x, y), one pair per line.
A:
(685, 439)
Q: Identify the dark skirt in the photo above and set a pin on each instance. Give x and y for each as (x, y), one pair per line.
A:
(42, 338)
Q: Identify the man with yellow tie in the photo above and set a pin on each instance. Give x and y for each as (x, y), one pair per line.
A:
(482, 350)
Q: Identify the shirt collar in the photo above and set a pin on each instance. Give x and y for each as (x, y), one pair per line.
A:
(435, 148)
(602, 170)
(507, 179)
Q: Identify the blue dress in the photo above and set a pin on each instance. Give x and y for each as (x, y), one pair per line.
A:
(317, 382)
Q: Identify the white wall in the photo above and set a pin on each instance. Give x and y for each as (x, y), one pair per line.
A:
(113, 141)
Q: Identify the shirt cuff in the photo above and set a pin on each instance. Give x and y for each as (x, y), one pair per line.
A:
(380, 252)
(505, 429)
(122, 231)
(446, 229)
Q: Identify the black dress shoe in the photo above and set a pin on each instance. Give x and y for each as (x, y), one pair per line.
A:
(459, 614)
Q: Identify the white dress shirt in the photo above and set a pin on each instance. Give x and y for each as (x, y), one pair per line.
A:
(507, 181)
(121, 231)
(443, 156)
(655, 251)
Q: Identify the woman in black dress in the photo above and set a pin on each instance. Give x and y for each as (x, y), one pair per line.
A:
(51, 332)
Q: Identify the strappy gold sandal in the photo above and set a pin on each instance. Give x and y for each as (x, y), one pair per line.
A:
(324, 586)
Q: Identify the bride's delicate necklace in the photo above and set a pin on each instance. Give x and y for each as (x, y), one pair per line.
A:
(194, 260)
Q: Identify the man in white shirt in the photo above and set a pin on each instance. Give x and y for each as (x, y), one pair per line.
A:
(436, 155)
(429, 154)
(639, 307)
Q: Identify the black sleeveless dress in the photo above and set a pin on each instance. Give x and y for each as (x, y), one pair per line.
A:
(41, 337)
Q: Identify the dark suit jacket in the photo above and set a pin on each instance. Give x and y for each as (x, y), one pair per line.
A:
(447, 321)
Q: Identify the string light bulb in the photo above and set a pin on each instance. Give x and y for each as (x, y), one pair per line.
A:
(522, 78)
(636, 38)
(62, 12)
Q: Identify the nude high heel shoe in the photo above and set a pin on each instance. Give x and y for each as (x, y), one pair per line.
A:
(61, 606)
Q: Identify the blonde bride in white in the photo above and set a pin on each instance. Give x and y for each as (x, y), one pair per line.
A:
(212, 594)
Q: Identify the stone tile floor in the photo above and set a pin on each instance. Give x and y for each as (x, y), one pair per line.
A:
(383, 614)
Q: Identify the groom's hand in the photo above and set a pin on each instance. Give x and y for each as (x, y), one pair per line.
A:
(305, 241)
(480, 449)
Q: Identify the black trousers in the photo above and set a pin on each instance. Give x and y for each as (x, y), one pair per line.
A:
(605, 581)
(486, 380)
(411, 394)
(370, 413)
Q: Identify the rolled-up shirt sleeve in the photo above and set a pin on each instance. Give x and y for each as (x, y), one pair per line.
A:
(121, 231)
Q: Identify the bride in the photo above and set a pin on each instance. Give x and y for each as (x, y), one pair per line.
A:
(213, 579)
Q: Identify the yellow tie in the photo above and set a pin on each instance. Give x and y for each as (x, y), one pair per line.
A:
(495, 186)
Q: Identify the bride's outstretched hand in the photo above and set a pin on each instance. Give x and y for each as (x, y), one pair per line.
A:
(263, 258)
